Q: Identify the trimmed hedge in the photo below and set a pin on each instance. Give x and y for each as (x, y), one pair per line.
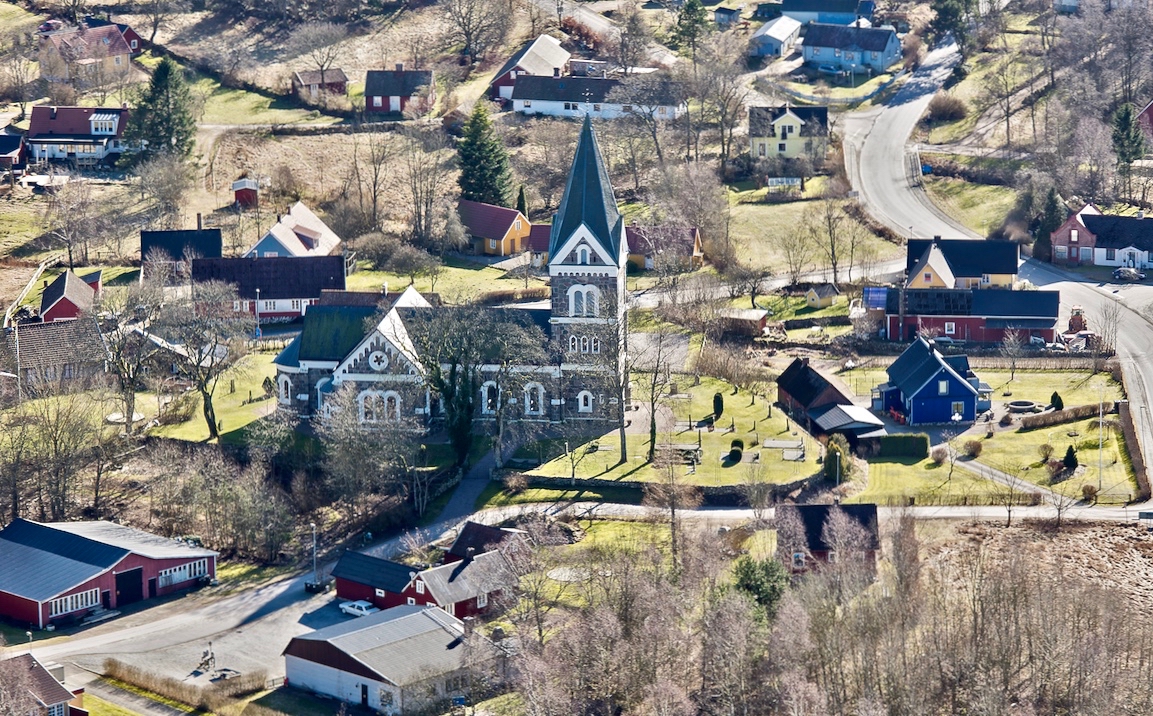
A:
(905, 445)
(1077, 412)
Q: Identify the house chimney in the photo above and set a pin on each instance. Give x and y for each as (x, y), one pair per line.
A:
(805, 360)
(469, 625)
(199, 221)
(469, 554)
(556, 72)
(936, 238)
(400, 67)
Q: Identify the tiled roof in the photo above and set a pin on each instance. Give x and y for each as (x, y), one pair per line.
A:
(467, 579)
(804, 384)
(70, 287)
(648, 240)
(43, 685)
(869, 39)
(968, 258)
(403, 645)
(373, 572)
(86, 43)
(538, 237)
(312, 77)
(279, 277)
(202, 243)
(487, 221)
(539, 57)
(815, 120)
(56, 344)
(395, 83)
(588, 199)
(50, 122)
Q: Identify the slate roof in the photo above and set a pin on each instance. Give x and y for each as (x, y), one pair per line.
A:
(478, 537)
(395, 83)
(55, 344)
(49, 123)
(487, 221)
(968, 259)
(815, 516)
(70, 287)
(1118, 232)
(779, 29)
(564, 89)
(469, 578)
(805, 383)
(815, 120)
(588, 199)
(136, 541)
(312, 77)
(869, 39)
(290, 356)
(43, 685)
(539, 57)
(403, 645)
(933, 260)
(373, 572)
(278, 277)
(203, 243)
(648, 240)
(331, 332)
(918, 365)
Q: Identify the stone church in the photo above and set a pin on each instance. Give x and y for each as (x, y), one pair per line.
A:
(370, 345)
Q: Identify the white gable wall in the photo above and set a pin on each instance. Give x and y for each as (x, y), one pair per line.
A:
(1121, 257)
(338, 684)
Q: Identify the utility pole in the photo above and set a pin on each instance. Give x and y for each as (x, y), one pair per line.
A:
(314, 577)
(1100, 437)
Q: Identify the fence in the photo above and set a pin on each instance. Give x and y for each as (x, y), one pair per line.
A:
(711, 495)
(52, 261)
(818, 99)
(1133, 447)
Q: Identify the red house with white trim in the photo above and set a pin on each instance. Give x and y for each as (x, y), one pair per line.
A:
(392, 91)
(63, 571)
(462, 588)
(69, 296)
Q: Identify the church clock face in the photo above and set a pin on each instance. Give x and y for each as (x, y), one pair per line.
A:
(378, 360)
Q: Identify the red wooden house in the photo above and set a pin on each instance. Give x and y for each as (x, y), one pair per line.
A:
(311, 84)
(391, 91)
(971, 315)
(68, 297)
(816, 521)
(801, 388)
(475, 538)
(65, 570)
(461, 588)
(246, 192)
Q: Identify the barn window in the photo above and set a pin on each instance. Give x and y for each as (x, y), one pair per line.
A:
(74, 602)
(950, 328)
(481, 601)
(419, 587)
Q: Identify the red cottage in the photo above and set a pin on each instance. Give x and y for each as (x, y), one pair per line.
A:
(246, 193)
(818, 550)
(68, 296)
(801, 388)
(392, 91)
(62, 571)
(461, 588)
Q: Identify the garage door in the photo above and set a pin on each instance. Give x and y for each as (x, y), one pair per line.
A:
(129, 587)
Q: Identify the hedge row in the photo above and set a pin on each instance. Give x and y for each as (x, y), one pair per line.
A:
(220, 698)
(1056, 417)
(509, 295)
(905, 445)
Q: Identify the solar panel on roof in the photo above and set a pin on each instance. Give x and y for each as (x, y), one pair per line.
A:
(875, 296)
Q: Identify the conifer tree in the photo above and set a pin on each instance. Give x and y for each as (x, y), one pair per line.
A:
(522, 202)
(1052, 216)
(162, 116)
(692, 24)
(484, 172)
(1128, 143)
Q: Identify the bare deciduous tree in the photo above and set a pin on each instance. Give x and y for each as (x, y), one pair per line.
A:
(321, 41)
(476, 25)
(425, 174)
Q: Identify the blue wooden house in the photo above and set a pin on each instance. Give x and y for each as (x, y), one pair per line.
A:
(926, 387)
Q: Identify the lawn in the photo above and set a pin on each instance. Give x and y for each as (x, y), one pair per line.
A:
(16, 20)
(111, 276)
(240, 576)
(893, 481)
(232, 412)
(619, 533)
(1018, 450)
(752, 424)
(458, 282)
(495, 496)
(980, 207)
(755, 228)
(859, 86)
(97, 706)
(293, 701)
(787, 308)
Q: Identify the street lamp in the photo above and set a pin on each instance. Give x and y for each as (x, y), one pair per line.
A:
(314, 577)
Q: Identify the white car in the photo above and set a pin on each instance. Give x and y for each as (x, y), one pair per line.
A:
(359, 608)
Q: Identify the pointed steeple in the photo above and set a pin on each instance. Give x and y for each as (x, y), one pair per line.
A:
(588, 199)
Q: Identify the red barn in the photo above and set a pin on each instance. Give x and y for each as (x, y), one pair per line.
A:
(246, 192)
(460, 588)
(67, 298)
(63, 571)
(820, 533)
(977, 316)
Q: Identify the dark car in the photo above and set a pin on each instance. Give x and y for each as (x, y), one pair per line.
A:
(1128, 274)
(324, 585)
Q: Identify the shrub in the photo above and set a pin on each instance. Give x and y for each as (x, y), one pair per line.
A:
(737, 444)
(1006, 420)
(735, 454)
(946, 107)
(1056, 417)
(376, 249)
(515, 483)
(1055, 468)
(839, 445)
(1089, 493)
(1045, 450)
(973, 448)
(905, 445)
(1070, 460)
(939, 454)
(718, 405)
(218, 697)
(1056, 402)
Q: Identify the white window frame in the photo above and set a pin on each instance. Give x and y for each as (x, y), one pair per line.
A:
(482, 600)
(74, 602)
(378, 101)
(296, 304)
(419, 586)
(492, 244)
(942, 387)
(410, 601)
(378, 592)
(528, 391)
(584, 402)
(798, 560)
(958, 407)
(1073, 236)
(1062, 252)
(484, 401)
(950, 328)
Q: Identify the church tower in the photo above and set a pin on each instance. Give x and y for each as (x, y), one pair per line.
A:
(588, 254)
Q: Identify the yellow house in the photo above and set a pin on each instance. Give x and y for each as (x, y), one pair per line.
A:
(788, 132)
(495, 230)
(961, 263)
(93, 55)
(676, 248)
(821, 296)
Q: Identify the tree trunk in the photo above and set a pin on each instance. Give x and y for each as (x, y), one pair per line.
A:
(209, 414)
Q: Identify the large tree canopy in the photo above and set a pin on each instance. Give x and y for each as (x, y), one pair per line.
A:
(161, 118)
(484, 172)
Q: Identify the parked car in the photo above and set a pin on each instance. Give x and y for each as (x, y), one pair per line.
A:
(359, 608)
(1128, 274)
(946, 341)
(830, 70)
(324, 585)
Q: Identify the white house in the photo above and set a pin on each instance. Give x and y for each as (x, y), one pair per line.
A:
(86, 135)
(775, 38)
(578, 96)
(298, 233)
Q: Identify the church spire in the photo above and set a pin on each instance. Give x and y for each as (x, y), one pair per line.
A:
(588, 200)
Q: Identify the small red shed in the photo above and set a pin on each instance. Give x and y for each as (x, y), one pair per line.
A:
(246, 192)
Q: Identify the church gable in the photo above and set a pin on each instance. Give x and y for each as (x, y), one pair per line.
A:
(582, 250)
(588, 207)
(376, 355)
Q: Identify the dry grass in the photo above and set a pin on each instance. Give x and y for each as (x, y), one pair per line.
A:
(219, 698)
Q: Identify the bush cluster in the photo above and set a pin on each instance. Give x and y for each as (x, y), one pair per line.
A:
(1056, 417)
(905, 445)
(946, 107)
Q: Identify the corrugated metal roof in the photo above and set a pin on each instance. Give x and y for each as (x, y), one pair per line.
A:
(38, 562)
(137, 541)
(459, 581)
(404, 645)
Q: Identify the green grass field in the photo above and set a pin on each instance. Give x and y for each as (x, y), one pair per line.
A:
(753, 426)
(97, 706)
(494, 495)
(892, 481)
(15, 19)
(112, 277)
(1075, 387)
(786, 308)
(231, 410)
(981, 207)
(459, 281)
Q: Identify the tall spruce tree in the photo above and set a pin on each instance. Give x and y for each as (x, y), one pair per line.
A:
(484, 172)
(1052, 216)
(162, 116)
(522, 202)
(692, 24)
